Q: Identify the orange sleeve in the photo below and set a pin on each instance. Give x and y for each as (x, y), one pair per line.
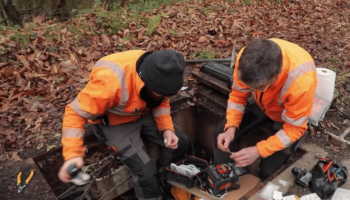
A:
(237, 99)
(162, 116)
(298, 106)
(90, 102)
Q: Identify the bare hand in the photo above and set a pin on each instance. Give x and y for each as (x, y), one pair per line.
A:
(63, 174)
(245, 156)
(225, 138)
(171, 139)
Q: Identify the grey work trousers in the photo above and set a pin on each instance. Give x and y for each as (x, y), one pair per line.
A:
(136, 159)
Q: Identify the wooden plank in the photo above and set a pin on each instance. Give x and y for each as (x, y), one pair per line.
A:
(195, 191)
(246, 182)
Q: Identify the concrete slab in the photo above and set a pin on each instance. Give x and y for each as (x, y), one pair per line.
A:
(347, 165)
(307, 161)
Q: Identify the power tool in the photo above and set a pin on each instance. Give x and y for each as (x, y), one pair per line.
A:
(303, 176)
(223, 178)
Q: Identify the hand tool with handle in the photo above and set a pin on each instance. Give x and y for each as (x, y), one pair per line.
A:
(78, 177)
(21, 185)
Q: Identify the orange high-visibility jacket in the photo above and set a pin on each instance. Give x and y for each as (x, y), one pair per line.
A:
(288, 100)
(113, 89)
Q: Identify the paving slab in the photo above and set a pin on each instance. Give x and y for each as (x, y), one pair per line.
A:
(308, 160)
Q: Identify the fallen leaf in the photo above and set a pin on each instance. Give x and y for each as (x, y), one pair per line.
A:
(105, 41)
(202, 39)
(40, 145)
(15, 96)
(5, 107)
(2, 39)
(126, 32)
(8, 72)
(68, 65)
(31, 57)
(257, 32)
(64, 31)
(73, 59)
(24, 61)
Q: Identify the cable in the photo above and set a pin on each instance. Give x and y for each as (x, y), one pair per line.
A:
(64, 193)
(115, 187)
(95, 178)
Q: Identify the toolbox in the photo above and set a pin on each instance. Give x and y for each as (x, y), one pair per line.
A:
(187, 180)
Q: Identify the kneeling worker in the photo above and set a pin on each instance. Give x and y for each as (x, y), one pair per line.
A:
(127, 100)
(281, 76)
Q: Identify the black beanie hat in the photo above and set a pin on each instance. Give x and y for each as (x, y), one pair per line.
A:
(162, 72)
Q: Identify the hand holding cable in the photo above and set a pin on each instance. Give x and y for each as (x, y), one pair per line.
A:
(170, 139)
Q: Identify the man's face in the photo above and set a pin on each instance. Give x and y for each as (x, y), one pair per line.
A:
(263, 88)
(155, 96)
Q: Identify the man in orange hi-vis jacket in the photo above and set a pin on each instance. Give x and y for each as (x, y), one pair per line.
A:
(281, 77)
(127, 101)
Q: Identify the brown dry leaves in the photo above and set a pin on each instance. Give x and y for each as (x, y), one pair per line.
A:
(36, 83)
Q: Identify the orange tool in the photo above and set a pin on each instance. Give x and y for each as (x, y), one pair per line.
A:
(329, 177)
(327, 166)
(20, 184)
(335, 176)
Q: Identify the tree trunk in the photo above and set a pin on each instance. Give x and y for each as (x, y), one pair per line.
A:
(9, 12)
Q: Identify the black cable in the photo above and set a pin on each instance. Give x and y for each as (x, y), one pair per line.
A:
(64, 193)
(88, 187)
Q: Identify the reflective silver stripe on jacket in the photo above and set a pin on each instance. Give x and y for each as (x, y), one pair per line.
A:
(295, 122)
(286, 141)
(293, 75)
(124, 95)
(72, 132)
(76, 107)
(235, 106)
(160, 111)
(239, 88)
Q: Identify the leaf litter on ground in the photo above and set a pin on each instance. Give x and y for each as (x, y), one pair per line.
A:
(44, 67)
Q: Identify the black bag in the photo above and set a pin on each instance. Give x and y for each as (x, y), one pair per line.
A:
(321, 176)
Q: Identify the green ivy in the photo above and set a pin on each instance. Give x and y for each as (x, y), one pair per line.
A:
(206, 55)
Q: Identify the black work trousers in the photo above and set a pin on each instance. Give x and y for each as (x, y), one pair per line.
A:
(130, 136)
(250, 137)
